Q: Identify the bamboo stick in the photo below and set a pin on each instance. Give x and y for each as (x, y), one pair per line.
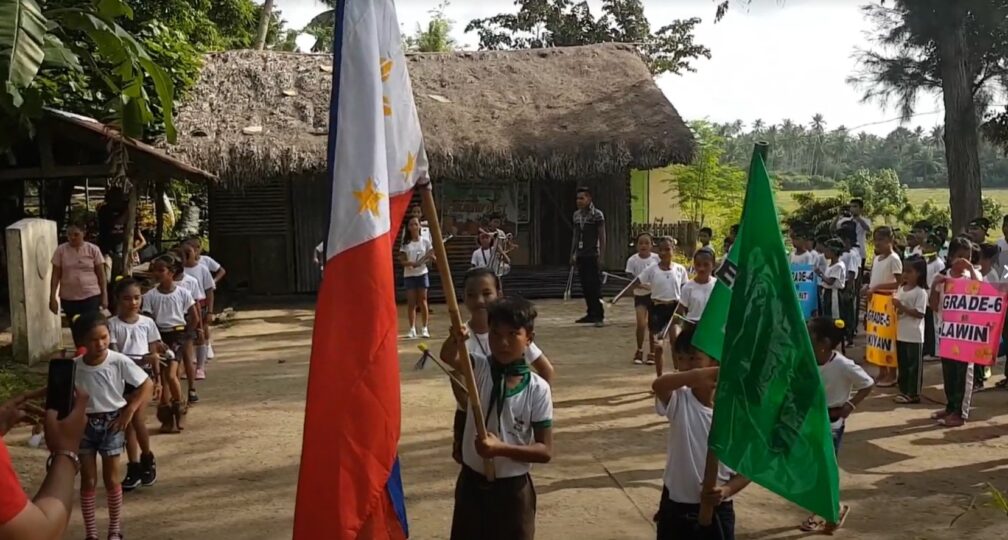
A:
(706, 515)
(430, 210)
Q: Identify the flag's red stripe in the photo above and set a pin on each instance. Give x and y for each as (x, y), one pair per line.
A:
(352, 413)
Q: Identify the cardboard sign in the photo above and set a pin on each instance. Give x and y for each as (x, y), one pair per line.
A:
(881, 331)
(807, 285)
(971, 319)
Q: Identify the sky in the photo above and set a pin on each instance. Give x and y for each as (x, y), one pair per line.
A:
(777, 59)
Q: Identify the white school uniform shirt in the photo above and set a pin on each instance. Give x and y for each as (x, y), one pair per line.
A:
(993, 276)
(839, 272)
(482, 258)
(635, 265)
(212, 265)
(821, 263)
(804, 258)
(665, 285)
(480, 344)
(415, 251)
(686, 450)
(884, 269)
(1002, 259)
(168, 310)
(852, 261)
(934, 268)
(202, 275)
(190, 284)
(841, 378)
(528, 405)
(133, 339)
(860, 231)
(695, 296)
(911, 329)
(106, 382)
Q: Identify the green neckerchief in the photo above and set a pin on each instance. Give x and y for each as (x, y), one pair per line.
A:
(499, 374)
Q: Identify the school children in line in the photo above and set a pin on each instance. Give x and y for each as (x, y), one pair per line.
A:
(665, 280)
(635, 265)
(851, 258)
(704, 236)
(174, 311)
(415, 254)
(206, 282)
(800, 254)
(519, 420)
(977, 230)
(916, 238)
(697, 291)
(846, 386)
(137, 337)
(482, 287)
(686, 399)
(910, 301)
(957, 376)
(104, 374)
(935, 265)
(989, 254)
(942, 232)
(885, 278)
(817, 248)
(216, 270)
(834, 279)
(196, 290)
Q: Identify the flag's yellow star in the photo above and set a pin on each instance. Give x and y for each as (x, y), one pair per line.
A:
(368, 198)
(386, 68)
(386, 106)
(410, 165)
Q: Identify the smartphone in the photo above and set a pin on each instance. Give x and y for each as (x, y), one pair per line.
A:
(60, 391)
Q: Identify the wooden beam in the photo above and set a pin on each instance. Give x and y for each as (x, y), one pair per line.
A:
(56, 173)
(129, 228)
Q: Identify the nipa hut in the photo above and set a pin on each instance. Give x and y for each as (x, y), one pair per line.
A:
(509, 132)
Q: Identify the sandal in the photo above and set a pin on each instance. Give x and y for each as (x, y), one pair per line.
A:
(904, 399)
(650, 359)
(812, 524)
(938, 415)
(638, 357)
(832, 527)
(1002, 384)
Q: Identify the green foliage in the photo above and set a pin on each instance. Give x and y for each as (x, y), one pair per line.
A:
(437, 36)
(882, 192)
(710, 191)
(815, 214)
(207, 24)
(559, 23)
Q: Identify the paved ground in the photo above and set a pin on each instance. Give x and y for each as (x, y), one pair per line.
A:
(232, 475)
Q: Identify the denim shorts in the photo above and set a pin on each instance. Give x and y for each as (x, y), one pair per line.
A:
(416, 282)
(99, 439)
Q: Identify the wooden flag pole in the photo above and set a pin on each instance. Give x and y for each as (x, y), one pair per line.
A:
(448, 287)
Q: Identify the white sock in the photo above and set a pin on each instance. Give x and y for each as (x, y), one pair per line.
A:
(210, 354)
(201, 356)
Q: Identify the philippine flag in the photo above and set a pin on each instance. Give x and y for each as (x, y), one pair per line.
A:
(349, 485)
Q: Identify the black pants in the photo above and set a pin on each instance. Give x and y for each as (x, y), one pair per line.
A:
(591, 285)
(678, 521)
(73, 308)
(909, 368)
(504, 509)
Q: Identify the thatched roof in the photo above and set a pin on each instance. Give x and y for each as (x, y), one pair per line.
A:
(555, 114)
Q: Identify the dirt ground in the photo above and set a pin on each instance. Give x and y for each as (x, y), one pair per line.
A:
(233, 474)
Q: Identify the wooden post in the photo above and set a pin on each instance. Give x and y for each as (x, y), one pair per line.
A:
(706, 515)
(129, 229)
(159, 212)
(430, 210)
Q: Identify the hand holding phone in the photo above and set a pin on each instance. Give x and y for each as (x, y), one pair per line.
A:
(60, 389)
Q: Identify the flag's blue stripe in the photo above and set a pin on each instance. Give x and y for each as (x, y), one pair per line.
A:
(395, 491)
(334, 114)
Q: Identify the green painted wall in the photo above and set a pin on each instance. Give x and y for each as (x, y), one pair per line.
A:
(640, 196)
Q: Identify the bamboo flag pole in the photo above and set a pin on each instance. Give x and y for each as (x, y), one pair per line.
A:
(430, 211)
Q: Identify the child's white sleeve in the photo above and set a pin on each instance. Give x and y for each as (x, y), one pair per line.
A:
(153, 334)
(629, 267)
(667, 410)
(920, 301)
(131, 372)
(645, 276)
(474, 261)
(532, 353)
(542, 407)
(859, 378)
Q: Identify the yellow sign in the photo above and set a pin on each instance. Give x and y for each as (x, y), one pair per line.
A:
(881, 331)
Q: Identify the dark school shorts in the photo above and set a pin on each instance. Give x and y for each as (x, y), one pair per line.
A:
(176, 339)
(504, 509)
(659, 316)
(644, 301)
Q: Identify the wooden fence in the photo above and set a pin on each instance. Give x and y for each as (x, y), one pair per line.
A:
(684, 232)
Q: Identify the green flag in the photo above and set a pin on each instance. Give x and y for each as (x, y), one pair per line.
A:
(770, 419)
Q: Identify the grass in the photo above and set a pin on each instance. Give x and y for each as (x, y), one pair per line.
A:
(917, 196)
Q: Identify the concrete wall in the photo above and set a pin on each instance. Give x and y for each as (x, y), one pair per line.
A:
(36, 330)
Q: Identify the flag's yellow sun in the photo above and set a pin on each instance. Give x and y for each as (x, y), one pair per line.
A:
(386, 106)
(368, 198)
(386, 69)
(410, 165)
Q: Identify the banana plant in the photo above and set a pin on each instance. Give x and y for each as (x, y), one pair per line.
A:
(81, 36)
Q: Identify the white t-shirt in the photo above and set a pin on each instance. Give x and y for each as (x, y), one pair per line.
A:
(852, 262)
(665, 285)
(804, 258)
(133, 339)
(190, 284)
(911, 329)
(820, 261)
(884, 270)
(686, 453)
(168, 310)
(934, 268)
(841, 377)
(212, 265)
(202, 275)
(860, 231)
(635, 265)
(483, 258)
(1002, 259)
(838, 271)
(993, 276)
(414, 252)
(527, 406)
(106, 382)
(695, 296)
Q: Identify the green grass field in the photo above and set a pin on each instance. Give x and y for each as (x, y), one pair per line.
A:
(786, 202)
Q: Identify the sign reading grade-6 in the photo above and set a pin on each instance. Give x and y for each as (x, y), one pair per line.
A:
(979, 304)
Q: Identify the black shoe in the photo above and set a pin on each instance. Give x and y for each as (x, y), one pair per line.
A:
(193, 397)
(599, 323)
(132, 480)
(148, 470)
(587, 319)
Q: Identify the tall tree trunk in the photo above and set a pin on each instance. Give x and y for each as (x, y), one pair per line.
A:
(264, 22)
(962, 138)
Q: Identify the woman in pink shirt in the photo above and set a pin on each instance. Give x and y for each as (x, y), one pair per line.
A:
(78, 277)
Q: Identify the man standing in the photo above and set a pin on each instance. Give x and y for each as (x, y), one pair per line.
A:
(587, 249)
(854, 213)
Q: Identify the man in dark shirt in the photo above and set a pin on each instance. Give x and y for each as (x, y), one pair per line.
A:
(587, 249)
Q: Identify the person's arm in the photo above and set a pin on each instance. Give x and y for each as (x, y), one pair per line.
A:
(601, 241)
(450, 348)
(544, 368)
(404, 259)
(99, 270)
(574, 240)
(718, 494)
(193, 321)
(46, 517)
(835, 224)
(139, 242)
(210, 295)
(918, 308)
(666, 384)
(221, 272)
(54, 281)
(140, 397)
(864, 222)
(541, 451)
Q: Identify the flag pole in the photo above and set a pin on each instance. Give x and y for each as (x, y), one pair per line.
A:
(706, 514)
(430, 211)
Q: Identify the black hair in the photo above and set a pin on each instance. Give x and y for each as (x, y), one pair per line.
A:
(933, 240)
(665, 239)
(583, 189)
(1004, 221)
(171, 261)
(989, 251)
(960, 243)
(827, 328)
(942, 232)
(513, 311)
(885, 230)
(122, 284)
(798, 232)
(857, 201)
(922, 225)
(684, 343)
(707, 230)
(407, 238)
(919, 265)
(479, 272)
(704, 251)
(734, 228)
(85, 323)
(835, 244)
(645, 233)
